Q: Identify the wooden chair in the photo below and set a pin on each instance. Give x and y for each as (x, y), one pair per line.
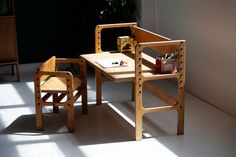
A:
(52, 86)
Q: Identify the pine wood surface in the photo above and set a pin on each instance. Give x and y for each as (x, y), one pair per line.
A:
(49, 82)
(58, 84)
(140, 70)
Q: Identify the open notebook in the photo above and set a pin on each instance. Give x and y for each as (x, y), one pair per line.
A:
(110, 63)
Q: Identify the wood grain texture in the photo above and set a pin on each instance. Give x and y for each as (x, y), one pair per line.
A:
(140, 70)
(8, 43)
(59, 85)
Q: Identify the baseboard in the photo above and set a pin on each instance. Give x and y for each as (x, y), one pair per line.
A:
(31, 67)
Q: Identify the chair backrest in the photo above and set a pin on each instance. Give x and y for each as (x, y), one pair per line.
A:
(49, 65)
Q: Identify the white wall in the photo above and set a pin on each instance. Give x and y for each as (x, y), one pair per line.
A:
(147, 14)
(209, 26)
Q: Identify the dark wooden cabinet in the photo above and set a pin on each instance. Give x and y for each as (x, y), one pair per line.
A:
(8, 38)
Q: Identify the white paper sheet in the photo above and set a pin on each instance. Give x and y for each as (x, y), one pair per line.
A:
(110, 63)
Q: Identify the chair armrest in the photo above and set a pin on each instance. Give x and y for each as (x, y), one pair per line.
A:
(48, 74)
(65, 74)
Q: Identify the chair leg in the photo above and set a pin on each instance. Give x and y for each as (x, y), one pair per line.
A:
(38, 105)
(39, 116)
(85, 100)
(17, 73)
(70, 111)
(55, 108)
(70, 118)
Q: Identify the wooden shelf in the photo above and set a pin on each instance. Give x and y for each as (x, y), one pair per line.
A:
(8, 41)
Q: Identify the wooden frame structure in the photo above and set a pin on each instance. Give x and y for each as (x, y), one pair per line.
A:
(8, 40)
(52, 86)
(141, 70)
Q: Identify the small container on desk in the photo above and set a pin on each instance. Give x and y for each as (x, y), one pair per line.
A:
(166, 65)
(125, 44)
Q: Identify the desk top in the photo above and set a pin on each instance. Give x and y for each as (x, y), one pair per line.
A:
(120, 74)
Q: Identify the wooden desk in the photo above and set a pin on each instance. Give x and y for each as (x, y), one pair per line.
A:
(127, 73)
(140, 71)
(119, 74)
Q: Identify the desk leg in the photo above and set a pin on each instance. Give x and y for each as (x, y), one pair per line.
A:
(85, 92)
(138, 124)
(138, 112)
(133, 91)
(180, 111)
(98, 87)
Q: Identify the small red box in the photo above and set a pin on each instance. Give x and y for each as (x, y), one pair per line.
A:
(165, 65)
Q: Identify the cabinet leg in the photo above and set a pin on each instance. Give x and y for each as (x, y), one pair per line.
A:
(17, 73)
(12, 70)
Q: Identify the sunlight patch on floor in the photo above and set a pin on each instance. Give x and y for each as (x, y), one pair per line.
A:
(130, 121)
(35, 149)
(9, 95)
(147, 147)
(7, 116)
(27, 136)
(30, 85)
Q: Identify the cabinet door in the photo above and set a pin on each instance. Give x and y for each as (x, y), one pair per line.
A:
(8, 49)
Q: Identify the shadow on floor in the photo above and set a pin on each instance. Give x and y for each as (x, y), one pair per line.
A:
(101, 125)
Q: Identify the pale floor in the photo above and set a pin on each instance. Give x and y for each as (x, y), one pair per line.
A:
(107, 131)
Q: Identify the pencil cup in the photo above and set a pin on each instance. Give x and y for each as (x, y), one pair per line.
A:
(165, 66)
